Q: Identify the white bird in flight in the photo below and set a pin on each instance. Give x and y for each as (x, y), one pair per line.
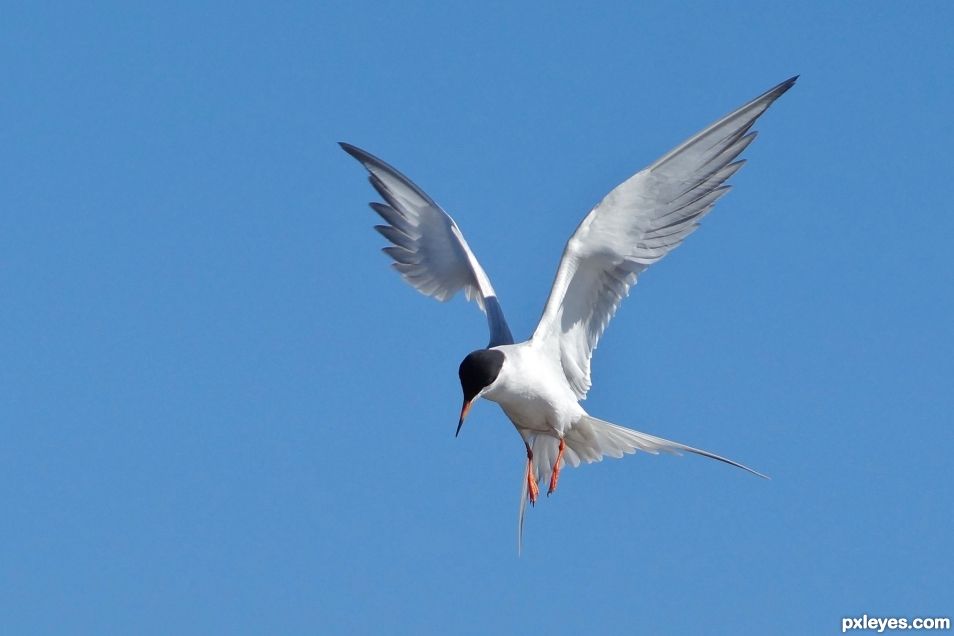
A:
(540, 382)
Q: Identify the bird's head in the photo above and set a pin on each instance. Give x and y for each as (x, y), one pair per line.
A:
(477, 372)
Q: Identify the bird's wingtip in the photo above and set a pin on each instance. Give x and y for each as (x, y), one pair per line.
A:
(363, 156)
(779, 89)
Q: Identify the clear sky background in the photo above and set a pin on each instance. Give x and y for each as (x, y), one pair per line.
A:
(221, 412)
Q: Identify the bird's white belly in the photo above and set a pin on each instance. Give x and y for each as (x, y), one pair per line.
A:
(533, 392)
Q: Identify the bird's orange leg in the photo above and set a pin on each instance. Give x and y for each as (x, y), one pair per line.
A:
(533, 490)
(555, 477)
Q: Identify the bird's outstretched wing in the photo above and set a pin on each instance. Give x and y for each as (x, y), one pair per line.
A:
(427, 247)
(635, 225)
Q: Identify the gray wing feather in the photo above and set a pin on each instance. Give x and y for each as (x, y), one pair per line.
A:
(634, 226)
(427, 247)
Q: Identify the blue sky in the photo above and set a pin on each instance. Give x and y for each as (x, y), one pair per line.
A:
(222, 413)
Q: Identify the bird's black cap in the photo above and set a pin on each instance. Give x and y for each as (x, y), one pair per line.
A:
(478, 370)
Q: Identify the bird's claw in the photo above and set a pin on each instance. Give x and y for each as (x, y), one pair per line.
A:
(533, 490)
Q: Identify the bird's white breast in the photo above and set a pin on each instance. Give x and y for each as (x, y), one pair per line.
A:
(533, 391)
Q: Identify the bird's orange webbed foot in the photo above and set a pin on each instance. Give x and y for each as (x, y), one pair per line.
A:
(555, 477)
(533, 490)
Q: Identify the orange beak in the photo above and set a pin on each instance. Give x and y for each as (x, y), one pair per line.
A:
(464, 410)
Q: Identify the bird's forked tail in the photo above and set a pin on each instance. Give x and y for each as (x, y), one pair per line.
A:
(589, 440)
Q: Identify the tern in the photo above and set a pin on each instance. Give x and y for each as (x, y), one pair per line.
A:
(539, 383)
